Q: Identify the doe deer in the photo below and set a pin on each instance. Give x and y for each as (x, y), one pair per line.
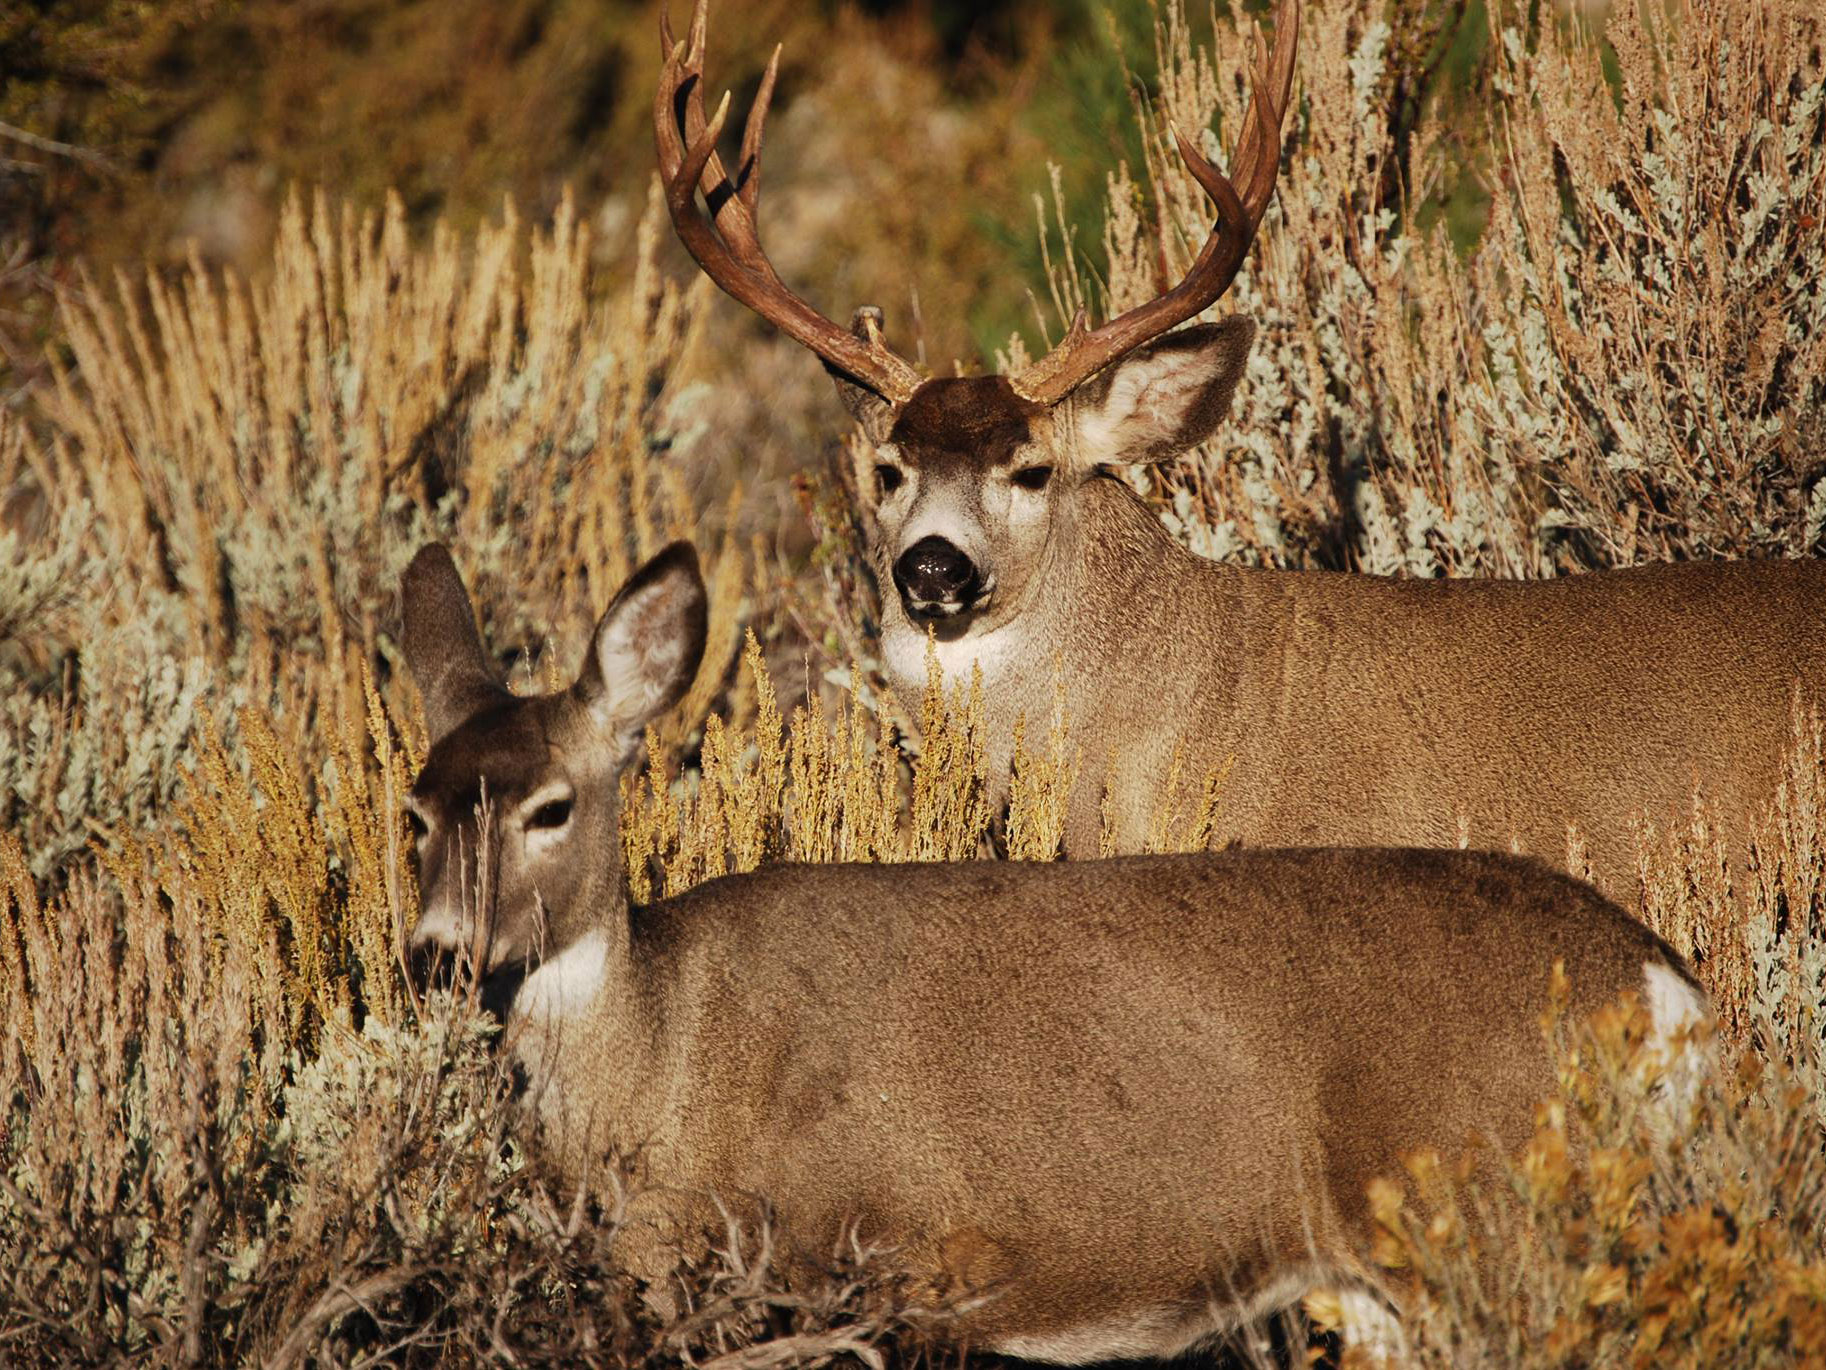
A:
(1353, 709)
(1101, 1101)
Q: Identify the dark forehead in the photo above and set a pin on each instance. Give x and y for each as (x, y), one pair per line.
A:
(508, 746)
(975, 417)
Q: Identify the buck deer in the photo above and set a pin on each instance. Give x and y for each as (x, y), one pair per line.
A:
(1355, 709)
(1124, 1105)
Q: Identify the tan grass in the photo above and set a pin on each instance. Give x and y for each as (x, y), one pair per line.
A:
(227, 1136)
(1609, 1240)
(1630, 366)
(236, 473)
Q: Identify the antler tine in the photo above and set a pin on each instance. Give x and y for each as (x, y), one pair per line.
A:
(733, 201)
(748, 168)
(1233, 215)
(1256, 117)
(1082, 353)
(736, 225)
(1258, 146)
(725, 242)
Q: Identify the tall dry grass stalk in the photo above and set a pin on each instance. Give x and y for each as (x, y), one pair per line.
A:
(1630, 366)
(250, 441)
(1757, 930)
(844, 785)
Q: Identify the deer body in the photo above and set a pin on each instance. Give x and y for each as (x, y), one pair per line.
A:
(1129, 1101)
(1359, 710)
(1120, 1106)
(1354, 709)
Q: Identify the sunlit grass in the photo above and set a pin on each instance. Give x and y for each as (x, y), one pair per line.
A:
(226, 1132)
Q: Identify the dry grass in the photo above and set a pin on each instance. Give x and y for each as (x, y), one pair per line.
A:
(237, 474)
(227, 1135)
(1756, 932)
(1609, 1241)
(1632, 364)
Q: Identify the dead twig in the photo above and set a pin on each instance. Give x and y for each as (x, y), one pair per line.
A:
(51, 147)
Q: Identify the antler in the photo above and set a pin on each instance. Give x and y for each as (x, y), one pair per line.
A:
(725, 242)
(1083, 352)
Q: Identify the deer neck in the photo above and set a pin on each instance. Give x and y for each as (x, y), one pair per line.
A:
(587, 1029)
(1120, 550)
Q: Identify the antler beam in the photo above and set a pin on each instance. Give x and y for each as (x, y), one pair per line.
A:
(1084, 352)
(725, 241)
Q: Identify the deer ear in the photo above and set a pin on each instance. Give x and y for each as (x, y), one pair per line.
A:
(1162, 398)
(648, 646)
(870, 410)
(443, 648)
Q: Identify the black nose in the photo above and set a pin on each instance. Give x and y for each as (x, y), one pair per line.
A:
(933, 569)
(430, 967)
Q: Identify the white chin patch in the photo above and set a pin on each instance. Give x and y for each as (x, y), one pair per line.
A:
(938, 608)
(566, 984)
(440, 926)
(951, 608)
(991, 650)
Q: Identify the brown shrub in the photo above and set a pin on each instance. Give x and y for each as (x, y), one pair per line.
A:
(226, 1133)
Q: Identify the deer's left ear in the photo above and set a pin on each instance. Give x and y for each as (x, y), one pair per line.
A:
(648, 646)
(443, 648)
(1163, 397)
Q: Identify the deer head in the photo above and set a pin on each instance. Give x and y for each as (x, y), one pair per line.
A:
(515, 815)
(975, 477)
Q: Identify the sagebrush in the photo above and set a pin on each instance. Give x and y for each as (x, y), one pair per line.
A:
(230, 1133)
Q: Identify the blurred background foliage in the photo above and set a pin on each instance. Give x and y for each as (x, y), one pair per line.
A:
(163, 129)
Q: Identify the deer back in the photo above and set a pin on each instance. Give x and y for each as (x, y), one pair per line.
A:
(1128, 1103)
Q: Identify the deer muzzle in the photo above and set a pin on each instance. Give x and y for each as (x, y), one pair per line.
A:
(936, 579)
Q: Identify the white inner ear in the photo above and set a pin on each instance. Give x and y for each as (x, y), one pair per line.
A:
(639, 661)
(1146, 404)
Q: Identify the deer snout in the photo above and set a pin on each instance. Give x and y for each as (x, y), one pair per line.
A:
(443, 943)
(430, 964)
(935, 576)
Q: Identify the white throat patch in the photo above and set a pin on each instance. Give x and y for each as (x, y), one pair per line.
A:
(904, 650)
(568, 983)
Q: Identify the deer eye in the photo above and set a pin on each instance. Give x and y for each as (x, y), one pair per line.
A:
(888, 478)
(415, 826)
(1033, 477)
(548, 816)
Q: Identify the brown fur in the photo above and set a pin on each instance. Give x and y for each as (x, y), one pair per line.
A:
(1363, 710)
(1122, 1099)
(1358, 710)
(975, 420)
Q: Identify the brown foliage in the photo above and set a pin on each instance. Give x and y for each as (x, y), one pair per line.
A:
(227, 1134)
